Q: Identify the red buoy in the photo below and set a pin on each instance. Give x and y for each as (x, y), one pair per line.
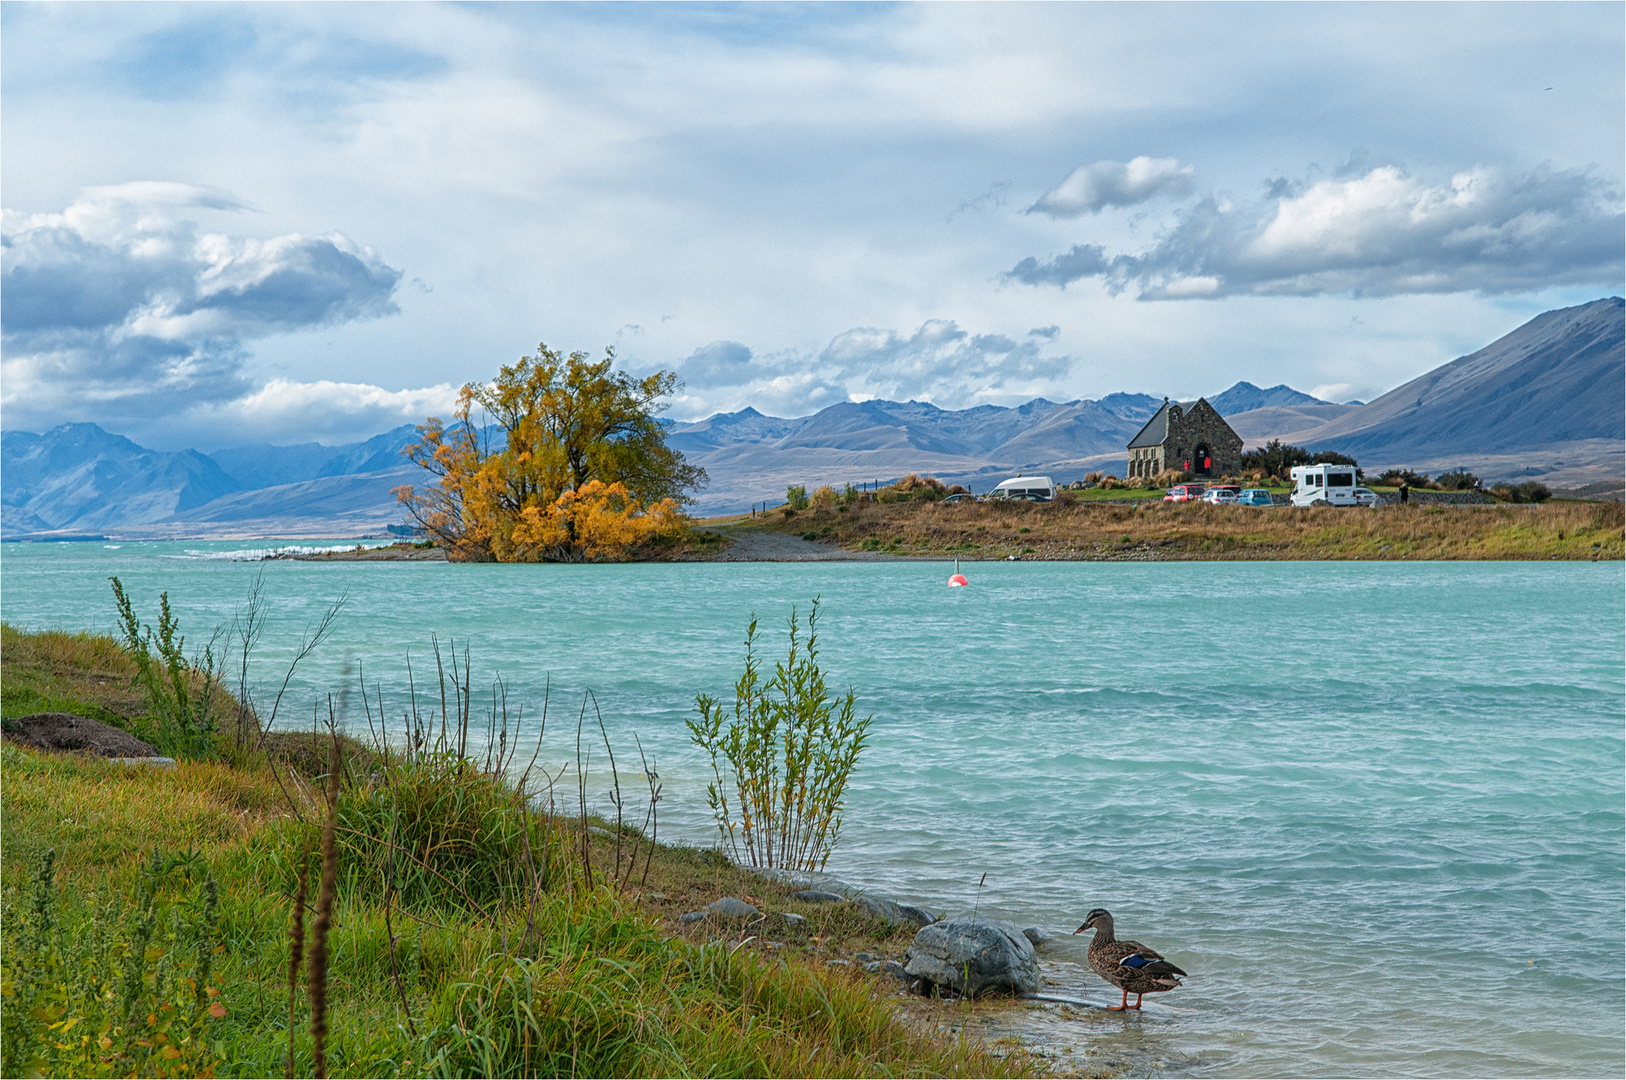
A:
(957, 579)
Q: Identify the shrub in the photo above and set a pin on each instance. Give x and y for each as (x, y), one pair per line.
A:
(1531, 491)
(180, 692)
(125, 990)
(1170, 477)
(1394, 478)
(824, 498)
(789, 748)
(1457, 480)
(796, 496)
(1275, 458)
(918, 488)
(436, 831)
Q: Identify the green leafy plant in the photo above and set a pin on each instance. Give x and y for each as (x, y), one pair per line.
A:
(1531, 491)
(118, 992)
(181, 692)
(796, 497)
(788, 748)
(1457, 480)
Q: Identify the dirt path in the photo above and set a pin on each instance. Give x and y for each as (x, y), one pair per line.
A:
(777, 547)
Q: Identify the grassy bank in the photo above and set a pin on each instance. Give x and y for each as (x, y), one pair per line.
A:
(147, 920)
(1168, 531)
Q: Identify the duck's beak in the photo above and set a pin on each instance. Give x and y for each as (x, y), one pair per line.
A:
(1081, 929)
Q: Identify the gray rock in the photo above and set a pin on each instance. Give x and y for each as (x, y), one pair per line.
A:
(816, 896)
(972, 957)
(873, 967)
(895, 969)
(890, 911)
(692, 916)
(864, 957)
(792, 918)
(730, 908)
(1035, 935)
(150, 762)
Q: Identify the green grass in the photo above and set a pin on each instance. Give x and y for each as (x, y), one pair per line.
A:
(508, 957)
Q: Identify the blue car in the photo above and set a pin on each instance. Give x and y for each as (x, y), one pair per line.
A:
(1254, 497)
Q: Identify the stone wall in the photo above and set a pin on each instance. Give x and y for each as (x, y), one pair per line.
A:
(1197, 426)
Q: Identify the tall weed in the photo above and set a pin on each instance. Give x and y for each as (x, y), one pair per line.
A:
(181, 692)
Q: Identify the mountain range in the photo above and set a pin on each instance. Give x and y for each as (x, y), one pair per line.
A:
(1548, 400)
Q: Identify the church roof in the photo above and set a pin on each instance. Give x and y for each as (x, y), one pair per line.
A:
(1156, 429)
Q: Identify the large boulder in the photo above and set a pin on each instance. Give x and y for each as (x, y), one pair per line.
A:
(65, 731)
(972, 957)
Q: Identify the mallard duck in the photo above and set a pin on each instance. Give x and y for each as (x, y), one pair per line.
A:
(1128, 965)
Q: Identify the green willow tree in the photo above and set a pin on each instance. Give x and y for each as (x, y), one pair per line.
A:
(567, 461)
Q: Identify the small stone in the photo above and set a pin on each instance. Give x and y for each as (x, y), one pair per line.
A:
(692, 916)
(732, 908)
(152, 762)
(1036, 935)
(816, 896)
(873, 967)
(863, 957)
(657, 896)
(895, 969)
(792, 918)
(890, 911)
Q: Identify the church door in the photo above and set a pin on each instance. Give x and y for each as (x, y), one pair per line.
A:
(1201, 461)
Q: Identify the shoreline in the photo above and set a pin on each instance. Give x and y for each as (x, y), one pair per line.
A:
(1101, 531)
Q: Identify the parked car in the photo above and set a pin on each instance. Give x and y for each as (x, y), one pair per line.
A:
(1254, 497)
(1184, 493)
(1365, 497)
(960, 497)
(1221, 494)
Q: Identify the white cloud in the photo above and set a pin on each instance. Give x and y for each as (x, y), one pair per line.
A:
(1089, 189)
(117, 309)
(1383, 233)
(285, 411)
(939, 362)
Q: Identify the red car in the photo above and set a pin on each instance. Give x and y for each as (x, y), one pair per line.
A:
(1184, 493)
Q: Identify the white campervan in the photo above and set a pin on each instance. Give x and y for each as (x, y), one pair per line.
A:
(1027, 487)
(1333, 485)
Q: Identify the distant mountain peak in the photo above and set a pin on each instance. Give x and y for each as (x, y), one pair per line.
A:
(1245, 396)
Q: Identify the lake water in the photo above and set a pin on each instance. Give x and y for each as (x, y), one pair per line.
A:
(1376, 809)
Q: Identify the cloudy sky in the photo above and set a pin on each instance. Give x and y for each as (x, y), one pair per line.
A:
(237, 223)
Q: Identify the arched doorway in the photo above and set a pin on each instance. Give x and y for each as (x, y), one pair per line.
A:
(1202, 462)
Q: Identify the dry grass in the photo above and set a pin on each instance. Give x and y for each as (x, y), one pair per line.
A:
(1159, 531)
(47, 670)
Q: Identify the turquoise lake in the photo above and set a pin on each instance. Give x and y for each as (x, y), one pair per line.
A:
(1376, 809)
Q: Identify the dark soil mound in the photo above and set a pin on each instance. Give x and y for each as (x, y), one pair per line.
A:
(65, 731)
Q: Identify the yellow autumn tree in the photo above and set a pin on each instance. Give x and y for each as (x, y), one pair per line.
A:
(559, 458)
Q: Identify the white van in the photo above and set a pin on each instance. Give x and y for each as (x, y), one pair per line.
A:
(1333, 485)
(1030, 487)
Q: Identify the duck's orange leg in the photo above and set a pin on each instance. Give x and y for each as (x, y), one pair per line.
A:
(1122, 1007)
(1136, 1005)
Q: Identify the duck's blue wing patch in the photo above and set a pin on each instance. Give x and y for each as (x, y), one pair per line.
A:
(1134, 960)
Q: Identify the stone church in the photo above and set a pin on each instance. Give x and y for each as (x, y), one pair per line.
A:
(1193, 438)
